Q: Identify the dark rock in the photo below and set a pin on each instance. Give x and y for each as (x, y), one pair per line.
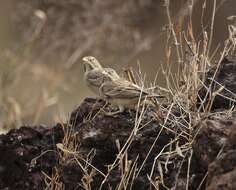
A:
(80, 154)
(225, 76)
(97, 139)
(102, 133)
(19, 168)
(214, 147)
(222, 172)
(212, 136)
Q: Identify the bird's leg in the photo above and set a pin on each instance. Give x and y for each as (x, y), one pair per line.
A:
(121, 109)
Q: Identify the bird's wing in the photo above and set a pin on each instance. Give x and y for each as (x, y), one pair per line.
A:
(120, 89)
(112, 73)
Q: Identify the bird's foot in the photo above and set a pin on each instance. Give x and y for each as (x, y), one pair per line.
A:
(113, 113)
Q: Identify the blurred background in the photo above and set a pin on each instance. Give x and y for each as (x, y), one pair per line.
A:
(42, 43)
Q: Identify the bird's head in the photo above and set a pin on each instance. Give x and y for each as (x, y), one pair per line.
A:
(91, 63)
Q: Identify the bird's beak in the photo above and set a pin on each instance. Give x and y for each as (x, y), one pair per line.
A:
(85, 59)
(85, 62)
(91, 63)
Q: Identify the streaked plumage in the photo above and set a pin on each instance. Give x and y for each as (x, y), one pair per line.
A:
(107, 84)
(95, 75)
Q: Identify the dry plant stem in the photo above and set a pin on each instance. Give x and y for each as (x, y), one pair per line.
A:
(149, 152)
(159, 154)
(133, 177)
(87, 177)
(179, 170)
(89, 164)
(209, 88)
(202, 16)
(214, 52)
(128, 170)
(161, 172)
(205, 176)
(52, 182)
(153, 183)
(132, 172)
(227, 91)
(124, 149)
(167, 3)
(202, 181)
(168, 158)
(212, 27)
(90, 114)
(188, 172)
(76, 157)
(209, 22)
(130, 75)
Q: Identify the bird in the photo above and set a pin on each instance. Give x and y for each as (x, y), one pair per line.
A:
(108, 85)
(125, 94)
(95, 75)
(112, 73)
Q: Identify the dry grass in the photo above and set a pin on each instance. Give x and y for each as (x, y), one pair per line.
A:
(40, 66)
(194, 58)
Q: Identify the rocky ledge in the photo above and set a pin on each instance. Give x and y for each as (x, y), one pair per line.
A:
(130, 150)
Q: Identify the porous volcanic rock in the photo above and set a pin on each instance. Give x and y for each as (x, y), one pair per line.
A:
(216, 78)
(25, 153)
(30, 152)
(81, 151)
